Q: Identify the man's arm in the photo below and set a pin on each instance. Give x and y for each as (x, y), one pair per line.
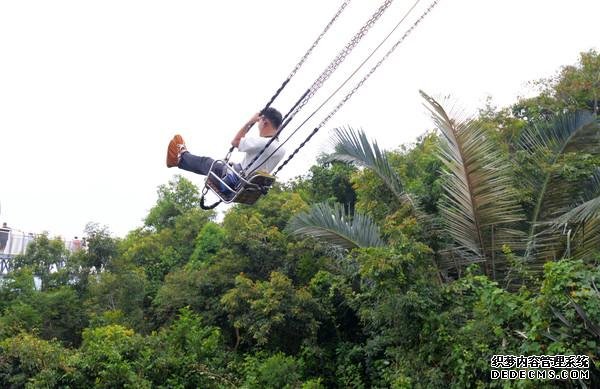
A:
(240, 134)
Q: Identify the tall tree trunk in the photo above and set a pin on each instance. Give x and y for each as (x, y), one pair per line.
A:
(237, 339)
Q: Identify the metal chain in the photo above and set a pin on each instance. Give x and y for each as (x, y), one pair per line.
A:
(307, 54)
(308, 138)
(373, 52)
(326, 74)
(316, 42)
(284, 84)
(335, 63)
(358, 85)
(378, 64)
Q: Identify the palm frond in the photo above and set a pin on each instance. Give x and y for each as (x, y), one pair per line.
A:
(546, 142)
(582, 213)
(588, 207)
(581, 224)
(352, 146)
(586, 239)
(332, 225)
(479, 200)
(563, 133)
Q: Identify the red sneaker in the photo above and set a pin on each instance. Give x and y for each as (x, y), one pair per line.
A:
(174, 151)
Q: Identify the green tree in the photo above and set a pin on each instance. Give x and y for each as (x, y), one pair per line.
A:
(109, 358)
(272, 211)
(555, 156)
(187, 354)
(43, 255)
(19, 316)
(420, 171)
(271, 313)
(96, 256)
(353, 230)
(117, 297)
(328, 181)
(333, 224)
(573, 88)
(152, 252)
(199, 288)
(101, 247)
(354, 147)
(159, 252)
(579, 86)
(261, 246)
(174, 199)
(63, 315)
(209, 241)
(480, 202)
(275, 371)
(18, 284)
(27, 361)
(53, 314)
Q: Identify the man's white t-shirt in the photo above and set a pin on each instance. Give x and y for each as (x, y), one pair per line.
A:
(252, 145)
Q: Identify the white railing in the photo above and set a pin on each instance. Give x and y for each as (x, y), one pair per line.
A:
(15, 242)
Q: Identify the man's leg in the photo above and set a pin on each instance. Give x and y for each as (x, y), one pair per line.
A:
(199, 165)
(177, 155)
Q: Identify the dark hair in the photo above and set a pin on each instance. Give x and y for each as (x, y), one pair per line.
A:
(273, 116)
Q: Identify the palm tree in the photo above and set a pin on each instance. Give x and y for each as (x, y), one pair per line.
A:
(582, 222)
(330, 222)
(479, 205)
(480, 209)
(355, 148)
(545, 144)
(334, 225)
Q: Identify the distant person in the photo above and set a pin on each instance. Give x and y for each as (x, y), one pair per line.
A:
(268, 121)
(4, 232)
(27, 239)
(75, 244)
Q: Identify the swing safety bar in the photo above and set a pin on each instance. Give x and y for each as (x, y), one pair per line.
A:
(246, 190)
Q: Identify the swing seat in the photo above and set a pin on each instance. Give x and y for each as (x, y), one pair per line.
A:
(257, 185)
(246, 191)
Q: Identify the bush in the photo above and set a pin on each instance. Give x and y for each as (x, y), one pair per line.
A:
(276, 371)
(108, 358)
(28, 360)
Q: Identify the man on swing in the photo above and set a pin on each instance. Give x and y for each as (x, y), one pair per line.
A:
(268, 121)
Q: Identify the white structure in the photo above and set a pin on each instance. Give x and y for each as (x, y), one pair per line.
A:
(16, 242)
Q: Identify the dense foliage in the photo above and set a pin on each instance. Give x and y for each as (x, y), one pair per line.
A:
(408, 268)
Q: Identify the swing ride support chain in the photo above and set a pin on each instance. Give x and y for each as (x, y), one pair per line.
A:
(314, 131)
(378, 64)
(358, 85)
(336, 62)
(262, 110)
(285, 123)
(327, 73)
(304, 57)
(283, 85)
(308, 52)
(316, 42)
(347, 79)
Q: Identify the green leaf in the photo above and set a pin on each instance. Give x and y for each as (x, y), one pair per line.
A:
(546, 142)
(354, 147)
(479, 202)
(332, 225)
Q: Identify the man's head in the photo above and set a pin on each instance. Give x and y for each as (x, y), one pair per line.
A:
(269, 121)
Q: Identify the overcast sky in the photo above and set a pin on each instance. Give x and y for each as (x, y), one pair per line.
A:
(91, 92)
